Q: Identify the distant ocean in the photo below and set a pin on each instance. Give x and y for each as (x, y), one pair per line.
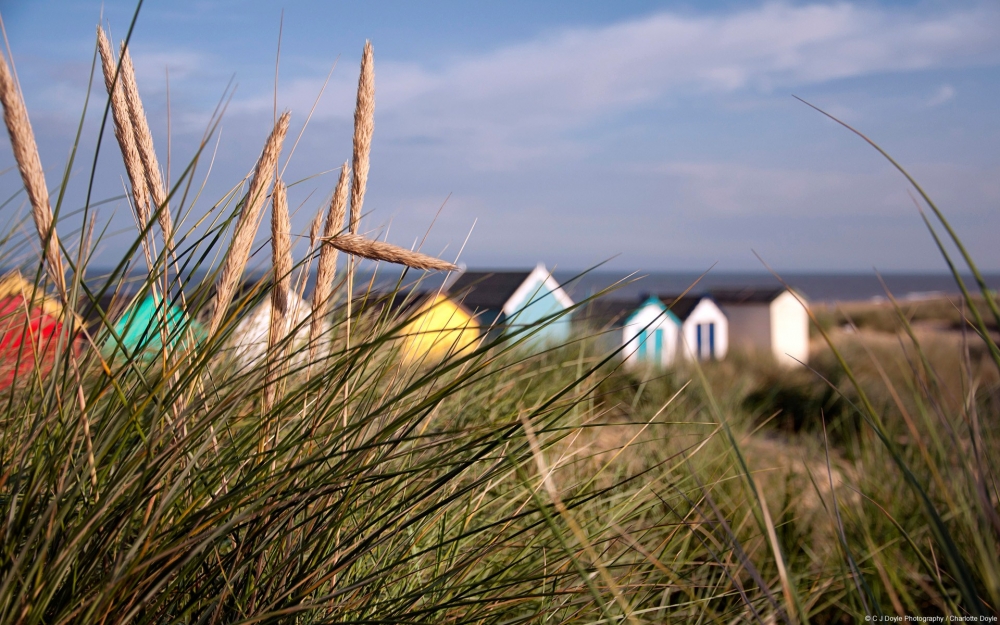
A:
(817, 287)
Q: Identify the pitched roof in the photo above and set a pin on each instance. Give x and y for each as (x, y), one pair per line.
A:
(747, 295)
(487, 290)
(605, 312)
(681, 306)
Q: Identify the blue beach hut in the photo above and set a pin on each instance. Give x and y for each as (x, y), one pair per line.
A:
(521, 303)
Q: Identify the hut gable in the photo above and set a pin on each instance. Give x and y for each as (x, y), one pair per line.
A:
(250, 337)
(704, 326)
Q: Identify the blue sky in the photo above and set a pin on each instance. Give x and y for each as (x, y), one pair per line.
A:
(661, 135)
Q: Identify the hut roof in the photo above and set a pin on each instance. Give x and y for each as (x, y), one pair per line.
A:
(607, 312)
(747, 295)
(681, 306)
(487, 290)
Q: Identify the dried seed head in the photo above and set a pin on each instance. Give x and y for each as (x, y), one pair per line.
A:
(281, 259)
(281, 254)
(144, 142)
(246, 224)
(377, 250)
(364, 125)
(123, 129)
(22, 141)
(328, 257)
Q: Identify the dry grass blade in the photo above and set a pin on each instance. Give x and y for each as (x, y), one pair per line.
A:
(246, 224)
(779, 558)
(281, 255)
(377, 250)
(144, 142)
(327, 266)
(22, 141)
(550, 487)
(364, 125)
(125, 135)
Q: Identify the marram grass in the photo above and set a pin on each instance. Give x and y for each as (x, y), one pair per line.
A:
(330, 482)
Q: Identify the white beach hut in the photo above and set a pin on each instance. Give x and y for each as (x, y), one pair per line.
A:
(772, 320)
(250, 337)
(704, 327)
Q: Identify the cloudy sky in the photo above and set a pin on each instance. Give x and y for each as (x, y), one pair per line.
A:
(663, 136)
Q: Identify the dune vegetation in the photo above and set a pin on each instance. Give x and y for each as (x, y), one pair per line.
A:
(155, 474)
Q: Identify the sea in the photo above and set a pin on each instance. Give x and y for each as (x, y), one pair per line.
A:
(817, 287)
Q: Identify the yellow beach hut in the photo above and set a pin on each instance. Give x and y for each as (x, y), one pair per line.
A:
(437, 327)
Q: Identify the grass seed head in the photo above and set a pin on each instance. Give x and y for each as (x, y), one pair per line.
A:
(124, 132)
(328, 257)
(364, 125)
(22, 141)
(377, 250)
(247, 222)
(281, 255)
(144, 141)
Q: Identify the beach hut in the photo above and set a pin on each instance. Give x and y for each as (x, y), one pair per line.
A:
(517, 302)
(146, 323)
(30, 324)
(251, 334)
(650, 334)
(704, 328)
(646, 331)
(436, 326)
(769, 320)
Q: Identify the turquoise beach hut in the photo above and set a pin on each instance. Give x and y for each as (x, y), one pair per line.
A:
(144, 325)
(644, 330)
(650, 334)
(517, 302)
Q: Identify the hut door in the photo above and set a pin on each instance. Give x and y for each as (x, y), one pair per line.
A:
(642, 344)
(705, 333)
(658, 346)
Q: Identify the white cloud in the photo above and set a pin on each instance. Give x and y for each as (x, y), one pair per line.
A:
(521, 102)
(945, 93)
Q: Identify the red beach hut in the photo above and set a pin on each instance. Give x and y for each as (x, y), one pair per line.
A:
(30, 324)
